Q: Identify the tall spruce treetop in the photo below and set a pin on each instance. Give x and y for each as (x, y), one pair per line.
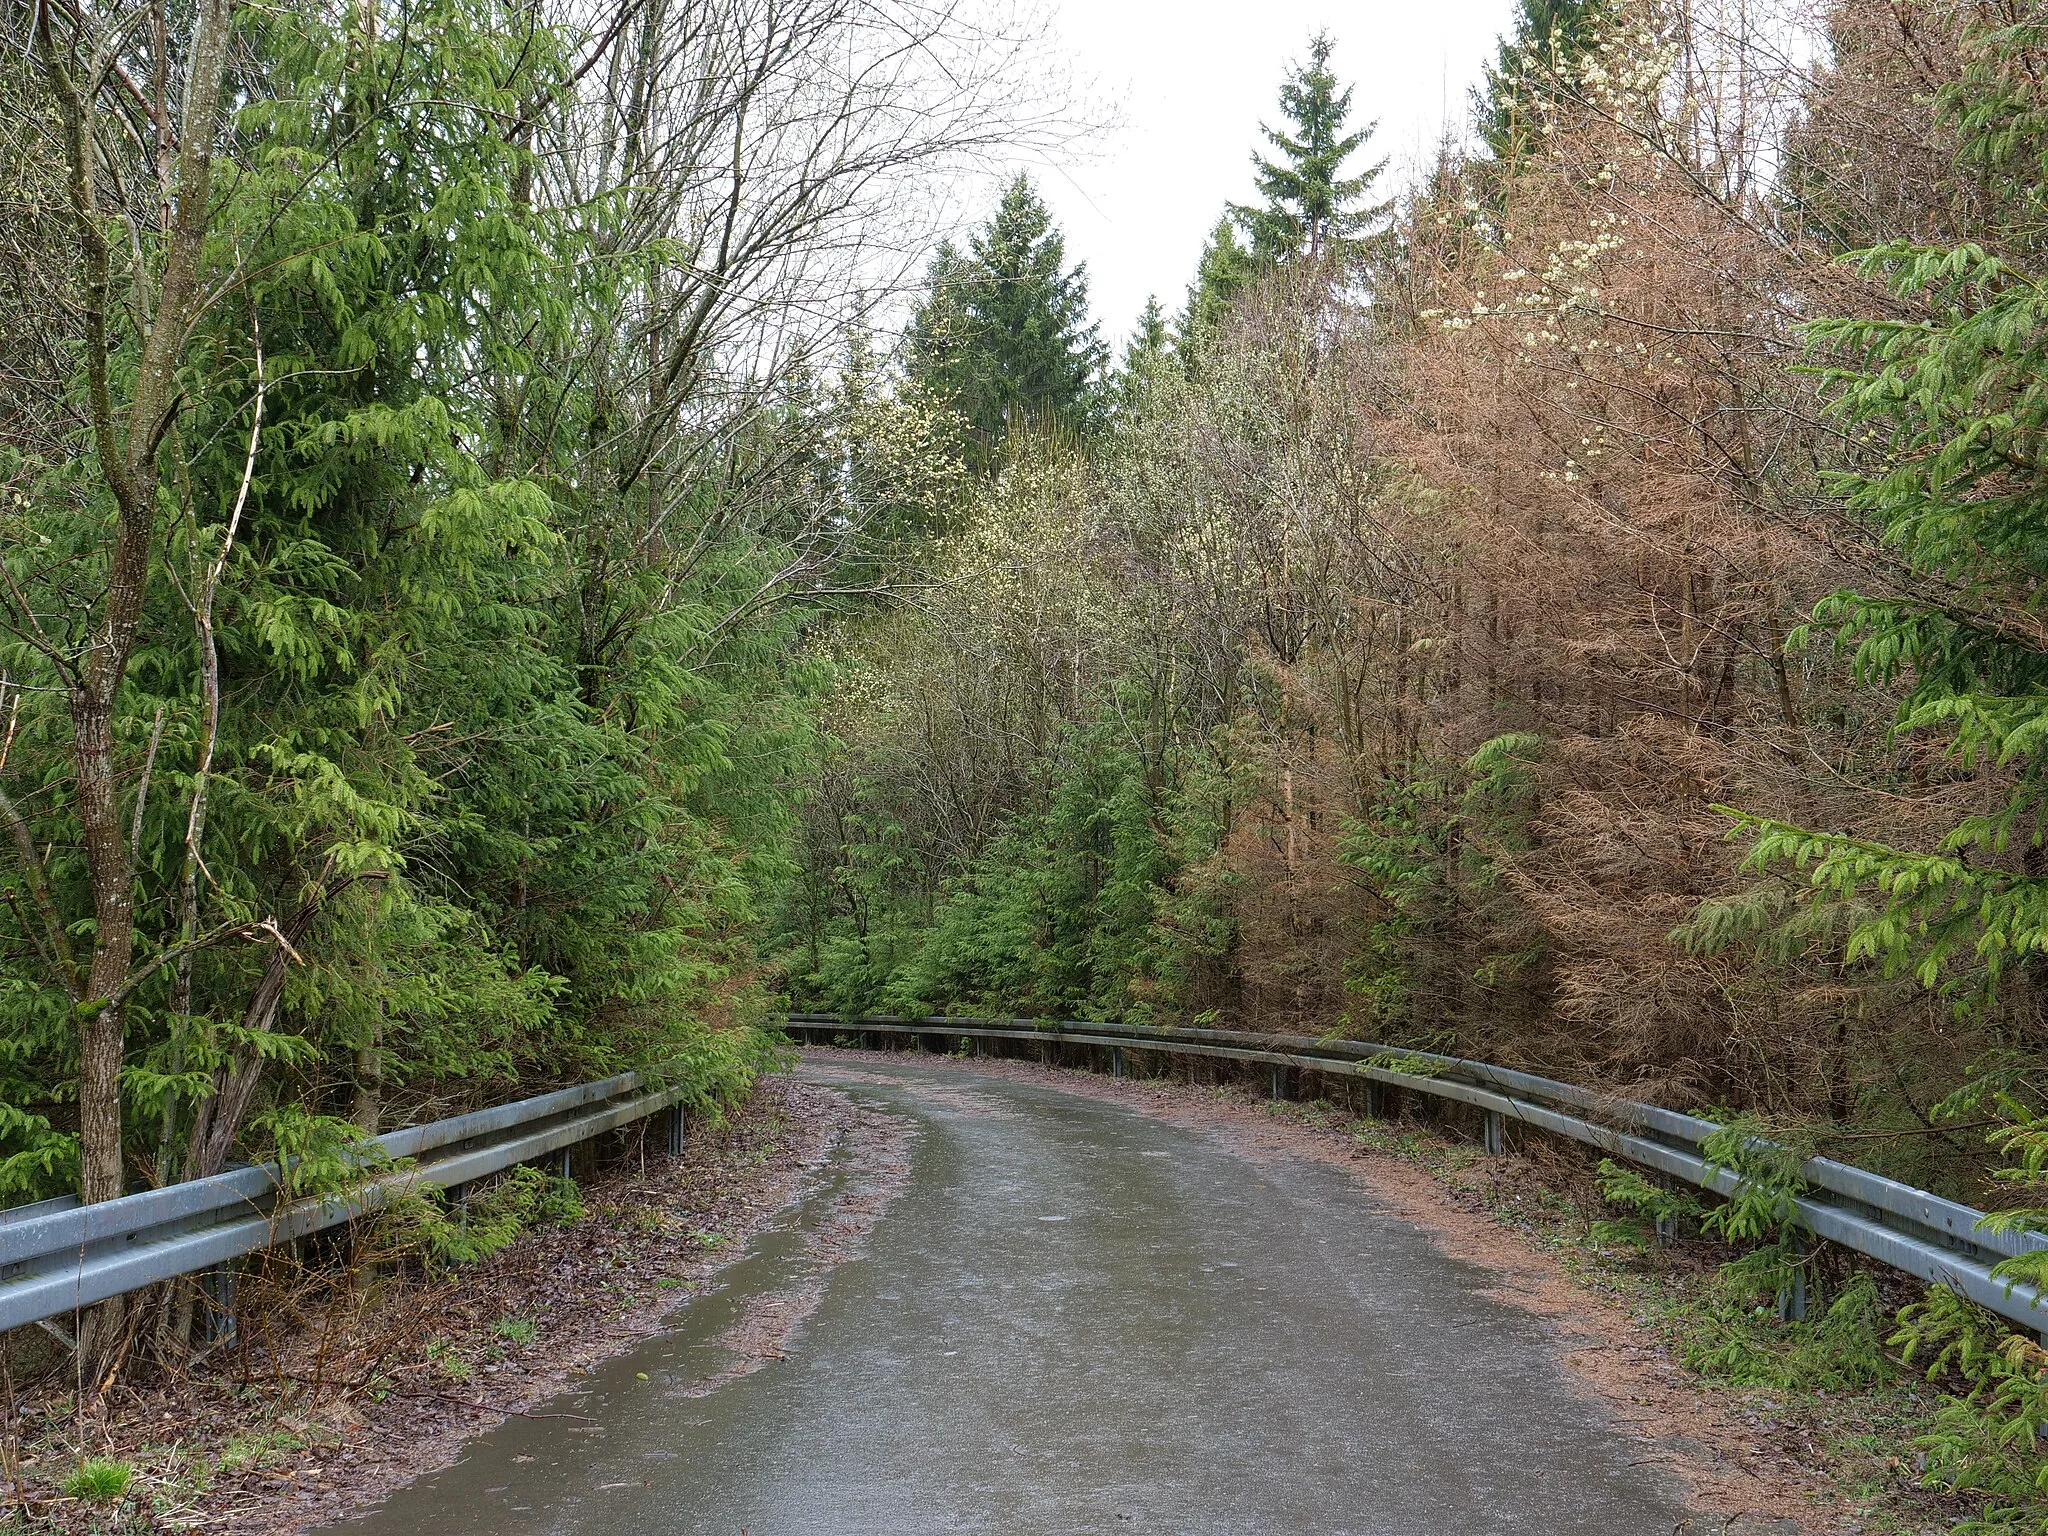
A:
(1312, 210)
(1549, 35)
(1003, 335)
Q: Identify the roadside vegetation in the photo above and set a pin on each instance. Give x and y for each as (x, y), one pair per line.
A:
(1582, 614)
(420, 459)
(528, 540)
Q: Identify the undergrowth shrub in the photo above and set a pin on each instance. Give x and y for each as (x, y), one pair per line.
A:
(1752, 1346)
(97, 1480)
(1737, 1333)
(1652, 1208)
(446, 1237)
(1985, 1438)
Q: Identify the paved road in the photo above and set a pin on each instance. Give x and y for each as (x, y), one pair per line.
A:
(1078, 1319)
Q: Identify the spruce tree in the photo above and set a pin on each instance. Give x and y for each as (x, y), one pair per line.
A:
(1150, 344)
(1003, 336)
(1311, 209)
(1149, 338)
(1225, 268)
(1549, 35)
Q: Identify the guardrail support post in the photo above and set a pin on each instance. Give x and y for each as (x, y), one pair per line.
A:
(1116, 1061)
(217, 1306)
(1666, 1226)
(1496, 1134)
(1792, 1294)
(1280, 1083)
(676, 1124)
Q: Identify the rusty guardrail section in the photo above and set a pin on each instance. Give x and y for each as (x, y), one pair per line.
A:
(1924, 1235)
(57, 1256)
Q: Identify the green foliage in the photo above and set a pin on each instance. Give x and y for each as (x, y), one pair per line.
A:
(1431, 848)
(448, 1236)
(1945, 398)
(526, 775)
(98, 1480)
(1003, 336)
(1055, 918)
(1532, 65)
(1986, 1437)
(1312, 210)
(1761, 1211)
(1226, 266)
(1737, 1341)
(1734, 1333)
(317, 1155)
(1407, 1063)
(1654, 1208)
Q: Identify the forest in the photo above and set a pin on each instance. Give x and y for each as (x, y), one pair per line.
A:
(1575, 614)
(533, 539)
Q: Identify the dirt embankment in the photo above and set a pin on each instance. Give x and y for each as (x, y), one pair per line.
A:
(329, 1400)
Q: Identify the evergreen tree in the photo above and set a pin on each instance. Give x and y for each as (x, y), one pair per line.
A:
(1225, 268)
(1959, 493)
(1149, 338)
(1549, 35)
(1150, 344)
(1003, 336)
(1312, 210)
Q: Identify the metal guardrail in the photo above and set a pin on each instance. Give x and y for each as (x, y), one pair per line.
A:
(1922, 1234)
(57, 1256)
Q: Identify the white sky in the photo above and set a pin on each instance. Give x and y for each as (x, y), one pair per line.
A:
(1193, 80)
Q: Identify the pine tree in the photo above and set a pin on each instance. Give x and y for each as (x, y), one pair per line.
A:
(1549, 35)
(1311, 209)
(1003, 337)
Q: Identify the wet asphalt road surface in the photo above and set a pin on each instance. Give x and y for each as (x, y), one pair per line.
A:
(1078, 1319)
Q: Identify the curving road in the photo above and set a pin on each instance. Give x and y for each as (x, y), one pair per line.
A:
(1076, 1319)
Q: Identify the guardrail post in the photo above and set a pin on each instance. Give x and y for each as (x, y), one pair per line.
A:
(1116, 1061)
(677, 1126)
(1496, 1134)
(217, 1306)
(1792, 1294)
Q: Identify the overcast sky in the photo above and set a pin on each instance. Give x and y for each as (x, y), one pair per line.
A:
(1193, 79)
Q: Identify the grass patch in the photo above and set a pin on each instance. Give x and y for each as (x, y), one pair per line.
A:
(98, 1480)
